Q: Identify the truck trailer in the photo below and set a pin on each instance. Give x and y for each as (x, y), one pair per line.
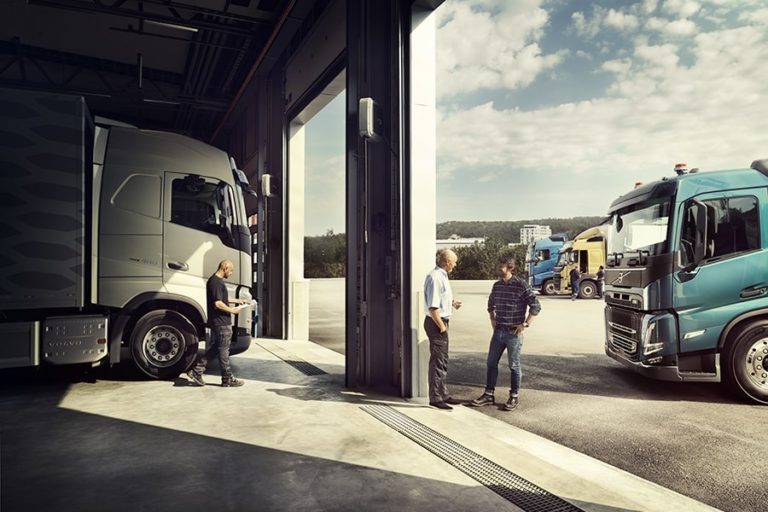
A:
(109, 233)
(687, 279)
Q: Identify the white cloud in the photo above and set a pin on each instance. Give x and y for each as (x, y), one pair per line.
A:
(478, 50)
(604, 18)
(710, 114)
(621, 21)
(758, 16)
(681, 8)
(681, 27)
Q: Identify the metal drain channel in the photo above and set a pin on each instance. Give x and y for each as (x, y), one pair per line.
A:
(514, 488)
(298, 363)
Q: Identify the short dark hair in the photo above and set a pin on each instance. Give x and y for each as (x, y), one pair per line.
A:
(507, 259)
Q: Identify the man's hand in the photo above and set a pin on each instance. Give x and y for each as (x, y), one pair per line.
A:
(457, 304)
(519, 329)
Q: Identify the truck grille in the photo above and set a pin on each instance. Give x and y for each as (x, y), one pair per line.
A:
(623, 344)
(624, 328)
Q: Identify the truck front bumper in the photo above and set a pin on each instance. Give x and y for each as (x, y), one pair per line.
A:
(668, 373)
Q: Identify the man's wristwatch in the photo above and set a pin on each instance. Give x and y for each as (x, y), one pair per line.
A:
(526, 325)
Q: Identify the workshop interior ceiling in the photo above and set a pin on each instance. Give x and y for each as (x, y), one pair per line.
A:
(160, 64)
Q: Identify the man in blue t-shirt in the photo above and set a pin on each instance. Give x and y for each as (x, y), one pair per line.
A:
(220, 321)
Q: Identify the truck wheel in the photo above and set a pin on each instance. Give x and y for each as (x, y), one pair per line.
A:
(548, 287)
(163, 344)
(746, 363)
(587, 290)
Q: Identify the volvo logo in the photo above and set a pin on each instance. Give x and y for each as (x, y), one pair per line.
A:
(620, 279)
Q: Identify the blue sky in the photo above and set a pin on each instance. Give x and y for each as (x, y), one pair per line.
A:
(554, 108)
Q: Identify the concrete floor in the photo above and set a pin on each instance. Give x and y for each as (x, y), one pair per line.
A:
(109, 441)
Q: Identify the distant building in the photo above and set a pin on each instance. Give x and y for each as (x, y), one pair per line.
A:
(455, 241)
(532, 232)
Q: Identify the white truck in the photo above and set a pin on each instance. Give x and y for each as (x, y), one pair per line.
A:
(108, 234)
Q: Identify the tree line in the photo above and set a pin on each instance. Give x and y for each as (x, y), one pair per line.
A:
(325, 255)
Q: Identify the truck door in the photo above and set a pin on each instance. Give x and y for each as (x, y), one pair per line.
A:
(583, 262)
(197, 233)
(733, 273)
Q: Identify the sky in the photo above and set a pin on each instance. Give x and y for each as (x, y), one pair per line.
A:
(553, 108)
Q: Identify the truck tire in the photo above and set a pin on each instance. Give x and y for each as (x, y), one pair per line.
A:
(163, 344)
(745, 368)
(548, 287)
(587, 289)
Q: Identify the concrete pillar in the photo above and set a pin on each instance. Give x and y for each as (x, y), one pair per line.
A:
(423, 178)
(298, 287)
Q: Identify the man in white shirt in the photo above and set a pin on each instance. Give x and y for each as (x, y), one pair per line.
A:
(439, 302)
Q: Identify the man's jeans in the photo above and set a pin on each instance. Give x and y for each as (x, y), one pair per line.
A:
(500, 341)
(575, 290)
(221, 339)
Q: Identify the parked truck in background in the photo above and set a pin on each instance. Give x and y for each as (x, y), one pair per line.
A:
(687, 279)
(586, 253)
(540, 260)
(108, 236)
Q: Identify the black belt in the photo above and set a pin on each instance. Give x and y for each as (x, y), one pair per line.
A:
(508, 328)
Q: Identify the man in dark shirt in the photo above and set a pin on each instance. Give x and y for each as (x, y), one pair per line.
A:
(510, 298)
(600, 282)
(220, 321)
(574, 277)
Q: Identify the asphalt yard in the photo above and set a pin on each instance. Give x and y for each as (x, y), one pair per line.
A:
(692, 438)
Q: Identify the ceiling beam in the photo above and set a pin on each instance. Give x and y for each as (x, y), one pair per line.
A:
(94, 6)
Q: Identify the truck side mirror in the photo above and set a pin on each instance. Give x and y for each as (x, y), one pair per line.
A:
(696, 249)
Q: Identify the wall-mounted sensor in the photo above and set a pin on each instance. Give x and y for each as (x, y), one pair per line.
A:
(371, 119)
(268, 185)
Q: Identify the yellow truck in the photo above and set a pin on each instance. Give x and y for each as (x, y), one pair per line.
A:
(587, 253)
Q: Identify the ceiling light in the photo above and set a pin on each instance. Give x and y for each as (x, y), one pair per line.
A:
(171, 25)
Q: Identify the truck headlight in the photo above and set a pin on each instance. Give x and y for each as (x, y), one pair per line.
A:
(651, 343)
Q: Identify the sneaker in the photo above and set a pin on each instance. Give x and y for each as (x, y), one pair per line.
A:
(511, 403)
(232, 383)
(484, 399)
(195, 377)
(440, 405)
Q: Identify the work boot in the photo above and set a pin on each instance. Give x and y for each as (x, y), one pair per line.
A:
(484, 399)
(511, 403)
(231, 383)
(196, 378)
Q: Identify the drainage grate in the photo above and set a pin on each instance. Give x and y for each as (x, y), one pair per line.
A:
(298, 363)
(503, 482)
(304, 367)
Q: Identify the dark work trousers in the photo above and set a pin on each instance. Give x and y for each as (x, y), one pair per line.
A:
(438, 360)
(221, 339)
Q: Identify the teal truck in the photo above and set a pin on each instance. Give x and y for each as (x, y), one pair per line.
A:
(687, 279)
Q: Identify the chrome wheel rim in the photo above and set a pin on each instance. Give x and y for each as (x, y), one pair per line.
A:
(163, 345)
(756, 363)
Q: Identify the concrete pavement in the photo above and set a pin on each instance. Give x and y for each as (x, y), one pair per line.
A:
(285, 441)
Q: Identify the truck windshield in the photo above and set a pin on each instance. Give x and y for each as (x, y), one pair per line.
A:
(562, 258)
(640, 227)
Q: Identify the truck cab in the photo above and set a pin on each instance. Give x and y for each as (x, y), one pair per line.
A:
(540, 260)
(110, 233)
(687, 279)
(586, 253)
